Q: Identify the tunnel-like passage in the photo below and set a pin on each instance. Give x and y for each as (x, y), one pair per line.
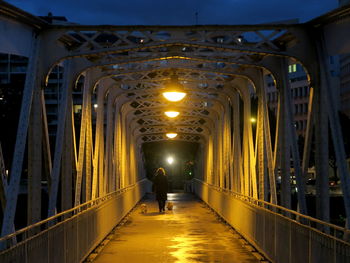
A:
(81, 159)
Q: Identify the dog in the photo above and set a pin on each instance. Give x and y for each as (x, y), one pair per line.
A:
(143, 208)
(170, 205)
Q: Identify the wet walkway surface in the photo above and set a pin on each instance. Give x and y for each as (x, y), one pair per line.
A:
(191, 232)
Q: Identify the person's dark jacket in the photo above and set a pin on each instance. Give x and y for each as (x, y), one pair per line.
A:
(160, 184)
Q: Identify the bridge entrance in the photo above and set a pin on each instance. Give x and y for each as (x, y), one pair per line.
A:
(177, 158)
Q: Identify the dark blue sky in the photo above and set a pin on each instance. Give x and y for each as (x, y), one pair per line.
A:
(178, 12)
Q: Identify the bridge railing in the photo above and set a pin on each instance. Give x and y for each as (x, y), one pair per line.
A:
(281, 234)
(71, 235)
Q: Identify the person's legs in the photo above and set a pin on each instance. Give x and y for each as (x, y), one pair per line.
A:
(163, 205)
(160, 205)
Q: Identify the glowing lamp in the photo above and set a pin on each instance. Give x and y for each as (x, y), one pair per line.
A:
(170, 160)
(171, 135)
(174, 95)
(252, 120)
(172, 114)
(174, 90)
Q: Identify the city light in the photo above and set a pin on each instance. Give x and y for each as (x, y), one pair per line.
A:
(171, 135)
(252, 120)
(95, 106)
(172, 114)
(170, 160)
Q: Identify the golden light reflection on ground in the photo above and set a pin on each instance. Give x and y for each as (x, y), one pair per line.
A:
(184, 249)
(189, 233)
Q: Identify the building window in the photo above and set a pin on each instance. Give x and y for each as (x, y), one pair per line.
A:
(292, 68)
(77, 108)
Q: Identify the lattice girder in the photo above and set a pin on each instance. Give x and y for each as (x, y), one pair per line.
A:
(162, 137)
(257, 39)
(179, 121)
(160, 112)
(145, 130)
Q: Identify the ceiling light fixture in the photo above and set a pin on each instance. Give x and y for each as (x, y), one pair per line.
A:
(171, 135)
(174, 90)
(172, 114)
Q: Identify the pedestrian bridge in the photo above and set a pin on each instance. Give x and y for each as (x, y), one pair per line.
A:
(93, 168)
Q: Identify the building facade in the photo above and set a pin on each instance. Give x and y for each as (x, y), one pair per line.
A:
(299, 92)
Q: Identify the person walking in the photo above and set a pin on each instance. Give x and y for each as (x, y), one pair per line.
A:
(160, 185)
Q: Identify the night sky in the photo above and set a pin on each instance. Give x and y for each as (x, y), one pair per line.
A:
(178, 12)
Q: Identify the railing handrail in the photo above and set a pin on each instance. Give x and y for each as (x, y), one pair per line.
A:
(84, 206)
(286, 210)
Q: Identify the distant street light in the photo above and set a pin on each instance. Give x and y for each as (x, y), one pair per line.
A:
(252, 120)
(170, 160)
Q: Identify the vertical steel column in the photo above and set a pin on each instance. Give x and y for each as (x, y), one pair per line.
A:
(237, 148)
(17, 162)
(267, 142)
(109, 145)
(82, 154)
(97, 180)
(66, 96)
(260, 148)
(119, 152)
(321, 155)
(248, 144)
(294, 147)
(227, 145)
(85, 154)
(216, 167)
(245, 159)
(210, 161)
(221, 155)
(284, 136)
(223, 150)
(89, 146)
(46, 145)
(35, 158)
(237, 153)
(67, 156)
(265, 137)
(123, 151)
(117, 147)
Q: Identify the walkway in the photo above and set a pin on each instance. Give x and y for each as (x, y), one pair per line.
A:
(189, 233)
